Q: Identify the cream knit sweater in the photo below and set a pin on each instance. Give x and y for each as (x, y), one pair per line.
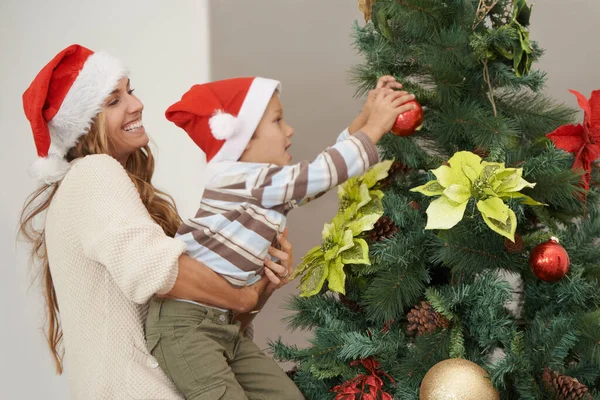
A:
(107, 258)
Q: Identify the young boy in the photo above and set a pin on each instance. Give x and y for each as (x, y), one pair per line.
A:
(239, 124)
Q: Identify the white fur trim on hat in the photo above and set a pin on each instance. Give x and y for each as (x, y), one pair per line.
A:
(223, 126)
(254, 106)
(97, 79)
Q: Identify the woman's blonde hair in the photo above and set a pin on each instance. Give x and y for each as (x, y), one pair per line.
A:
(140, 168)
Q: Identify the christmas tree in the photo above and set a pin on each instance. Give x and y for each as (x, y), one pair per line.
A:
(418, 267)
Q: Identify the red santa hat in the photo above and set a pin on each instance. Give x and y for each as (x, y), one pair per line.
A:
(222, 116)
(62, 101)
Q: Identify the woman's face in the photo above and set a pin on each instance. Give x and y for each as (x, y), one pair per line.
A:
(123, 116)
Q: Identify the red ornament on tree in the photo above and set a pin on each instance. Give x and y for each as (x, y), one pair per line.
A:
(409, 122)
(549, 261)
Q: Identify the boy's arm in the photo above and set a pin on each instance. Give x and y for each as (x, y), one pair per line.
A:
(273, 186)
(344, 135)
(359, 122)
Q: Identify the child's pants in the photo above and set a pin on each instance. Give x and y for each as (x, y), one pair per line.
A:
(202, 350)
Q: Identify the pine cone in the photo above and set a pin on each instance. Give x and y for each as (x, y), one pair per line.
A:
(481, 152)
(516, 247)
(565, 387)
(395, 169)
(352, 305)
(292, 372)
(384, 228)
(424, 319)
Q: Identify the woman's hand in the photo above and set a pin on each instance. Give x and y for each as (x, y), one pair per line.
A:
(279, 274)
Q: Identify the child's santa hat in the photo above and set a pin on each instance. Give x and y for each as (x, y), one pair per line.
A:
(62, 101)
(222, 116)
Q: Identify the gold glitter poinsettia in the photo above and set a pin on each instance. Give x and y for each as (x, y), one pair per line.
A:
(489, 183)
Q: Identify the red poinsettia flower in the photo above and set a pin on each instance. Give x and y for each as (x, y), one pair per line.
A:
(582, 140)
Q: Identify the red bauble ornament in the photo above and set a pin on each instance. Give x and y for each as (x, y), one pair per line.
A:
(409, 122)
(549, 261)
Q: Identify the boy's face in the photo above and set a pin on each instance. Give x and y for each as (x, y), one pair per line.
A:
(272, 138)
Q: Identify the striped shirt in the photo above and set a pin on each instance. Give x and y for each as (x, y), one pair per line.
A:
(244, 205)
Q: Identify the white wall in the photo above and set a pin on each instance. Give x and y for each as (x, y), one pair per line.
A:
(165, 44)
(568, 31)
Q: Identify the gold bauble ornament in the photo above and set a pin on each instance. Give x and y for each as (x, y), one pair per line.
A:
(457, 379)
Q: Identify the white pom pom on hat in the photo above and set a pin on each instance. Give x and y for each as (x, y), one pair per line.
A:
(223, 125)
(49, 169)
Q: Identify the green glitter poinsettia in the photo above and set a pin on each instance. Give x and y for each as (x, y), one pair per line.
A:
(489, 183)
(360, 207)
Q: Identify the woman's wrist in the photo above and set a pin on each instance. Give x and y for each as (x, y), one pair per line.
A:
(264, 296)
(251, 295)
(246, 300)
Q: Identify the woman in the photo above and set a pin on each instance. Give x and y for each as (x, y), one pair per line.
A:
(106, 246)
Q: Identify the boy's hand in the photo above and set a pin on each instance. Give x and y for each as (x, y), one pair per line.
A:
(389, 82)
(386, 107)
(386, 81)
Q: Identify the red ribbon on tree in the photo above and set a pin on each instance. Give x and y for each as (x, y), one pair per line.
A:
(582, 140)
(372, 382)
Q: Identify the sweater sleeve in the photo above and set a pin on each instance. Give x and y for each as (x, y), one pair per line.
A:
(349, 157)
(116, 230)
(343, 136)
